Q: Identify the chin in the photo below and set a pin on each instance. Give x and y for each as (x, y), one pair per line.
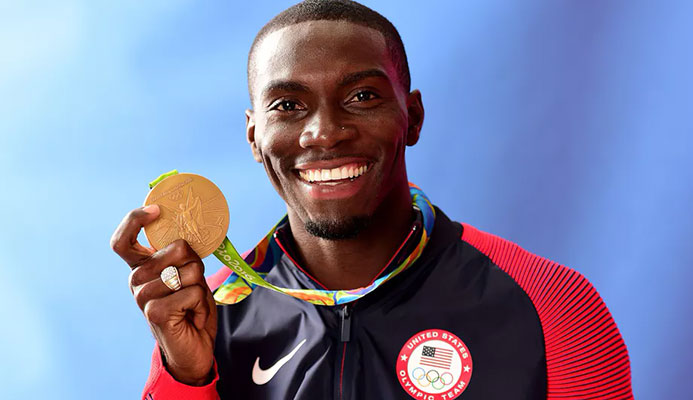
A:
(337, 228)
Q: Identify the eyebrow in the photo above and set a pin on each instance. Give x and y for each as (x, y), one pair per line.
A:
(288, 86)
(293, 86)
(360, 75)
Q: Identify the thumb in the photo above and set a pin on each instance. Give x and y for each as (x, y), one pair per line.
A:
(124, 239)
(148, 215)
(151, 212)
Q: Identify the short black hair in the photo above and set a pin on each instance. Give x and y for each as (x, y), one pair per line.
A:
(338, 10)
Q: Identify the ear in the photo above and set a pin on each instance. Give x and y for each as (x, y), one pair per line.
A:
(250, 134)
(416, 116)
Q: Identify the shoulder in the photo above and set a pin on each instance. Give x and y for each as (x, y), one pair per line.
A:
(585, 353)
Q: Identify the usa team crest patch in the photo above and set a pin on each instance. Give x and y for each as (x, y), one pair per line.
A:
(434, 365)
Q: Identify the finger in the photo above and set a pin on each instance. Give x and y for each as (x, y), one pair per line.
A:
(170, 313)
(124, 239)
(178, 253)
(190, 274)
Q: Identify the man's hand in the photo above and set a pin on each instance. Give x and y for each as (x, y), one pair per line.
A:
(183, 322)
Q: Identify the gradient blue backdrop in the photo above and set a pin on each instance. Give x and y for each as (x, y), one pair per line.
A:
(563, 126)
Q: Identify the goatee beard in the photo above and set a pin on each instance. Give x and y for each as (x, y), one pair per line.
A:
(333, 229)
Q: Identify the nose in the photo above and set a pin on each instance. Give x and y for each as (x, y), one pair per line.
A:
(326, 130)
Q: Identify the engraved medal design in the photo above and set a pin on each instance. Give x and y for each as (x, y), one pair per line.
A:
(193, 209)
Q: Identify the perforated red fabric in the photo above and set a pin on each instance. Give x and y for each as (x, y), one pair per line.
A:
(586, 357)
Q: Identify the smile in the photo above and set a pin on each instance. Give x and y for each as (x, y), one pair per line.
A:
(347, 171)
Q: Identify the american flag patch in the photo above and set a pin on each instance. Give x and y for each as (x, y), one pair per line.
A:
(436, 357)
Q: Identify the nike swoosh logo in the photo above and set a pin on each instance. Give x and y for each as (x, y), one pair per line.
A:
(262, 376)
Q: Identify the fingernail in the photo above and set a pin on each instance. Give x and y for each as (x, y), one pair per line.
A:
(150, 209)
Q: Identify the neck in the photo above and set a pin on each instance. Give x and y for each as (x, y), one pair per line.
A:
(353, 263)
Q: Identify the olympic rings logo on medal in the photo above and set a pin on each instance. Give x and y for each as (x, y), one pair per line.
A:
(434, 365)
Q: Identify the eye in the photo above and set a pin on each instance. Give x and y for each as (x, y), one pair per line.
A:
(286, 106)
(363, 95)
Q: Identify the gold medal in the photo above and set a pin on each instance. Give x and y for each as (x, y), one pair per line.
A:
(193, 209)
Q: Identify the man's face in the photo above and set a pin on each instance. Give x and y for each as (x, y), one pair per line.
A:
(330, 121)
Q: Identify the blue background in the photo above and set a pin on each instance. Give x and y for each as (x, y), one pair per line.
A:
(563, 126)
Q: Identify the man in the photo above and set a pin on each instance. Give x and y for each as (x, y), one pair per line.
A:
(416, 305)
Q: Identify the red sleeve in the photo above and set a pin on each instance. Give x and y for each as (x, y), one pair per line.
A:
(586, 357)
(162, 386)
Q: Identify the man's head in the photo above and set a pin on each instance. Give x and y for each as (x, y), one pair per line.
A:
(332, 114)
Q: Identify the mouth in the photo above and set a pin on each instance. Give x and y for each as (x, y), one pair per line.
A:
(336, 179)
(333, 176)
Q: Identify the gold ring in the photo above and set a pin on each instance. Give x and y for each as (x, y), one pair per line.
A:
(171, 278)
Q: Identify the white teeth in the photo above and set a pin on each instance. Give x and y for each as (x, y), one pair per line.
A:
(334, 174)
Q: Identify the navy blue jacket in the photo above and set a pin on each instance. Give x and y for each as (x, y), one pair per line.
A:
(530, 329)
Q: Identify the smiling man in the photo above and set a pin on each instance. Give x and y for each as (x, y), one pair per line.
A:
(387, 297)
(332, 115)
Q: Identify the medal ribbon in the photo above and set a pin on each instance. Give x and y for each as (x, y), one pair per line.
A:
(267, 253)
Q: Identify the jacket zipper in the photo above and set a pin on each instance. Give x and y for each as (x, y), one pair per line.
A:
(344, 337)
(345, 325)
(345, 313)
